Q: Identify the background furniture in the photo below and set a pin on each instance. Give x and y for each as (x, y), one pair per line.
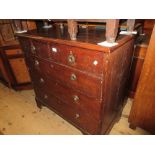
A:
(83, 82)
(140, 50)
(148, 26)
(143, 109)
(13, 71)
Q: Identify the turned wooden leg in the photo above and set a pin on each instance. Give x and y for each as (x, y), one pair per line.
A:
(130, 25)
(72, 28)
(132, 126)
(111, 30)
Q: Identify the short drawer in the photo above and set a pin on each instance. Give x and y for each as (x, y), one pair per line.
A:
(82, 59)
(40, 49)
(73, 78)
(68, 95)
(71, 113)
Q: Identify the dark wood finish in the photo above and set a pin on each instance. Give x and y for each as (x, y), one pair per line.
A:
(143, 109)
(116, 69)
(67, 95)
(136, 67)
(77, 58)
(111, 28)
(137, 64)
(88, 94)
(84, 40)
(148, 26)
(84, 82)
(3, 73)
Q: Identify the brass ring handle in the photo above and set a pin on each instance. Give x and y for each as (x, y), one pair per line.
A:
(71, 59)
(73, 77)
(45, 96)
(36, 62)
(76, 98)
(33, 49)
(77, 115)
(42, 80)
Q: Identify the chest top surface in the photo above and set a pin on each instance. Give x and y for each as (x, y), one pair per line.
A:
(86, 38)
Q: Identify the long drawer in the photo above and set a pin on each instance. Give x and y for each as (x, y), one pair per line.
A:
(82, 82)
(67, 95)
(74, 114)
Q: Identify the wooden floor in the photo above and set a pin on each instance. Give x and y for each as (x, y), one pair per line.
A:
(19, 115)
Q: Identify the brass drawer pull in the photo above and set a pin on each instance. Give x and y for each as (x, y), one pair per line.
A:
(42, 80)
(33, 49)
(77, 115)
(36, 62)
(45, 96)
(52, 66)
(73, 77)
(71, 59)
(54, 49)
(76, 98)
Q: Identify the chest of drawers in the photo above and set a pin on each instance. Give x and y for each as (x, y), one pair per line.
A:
(82, 82)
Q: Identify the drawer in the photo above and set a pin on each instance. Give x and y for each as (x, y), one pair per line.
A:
(13, 52)
(73, 78)
(82, 59)
(40, 49)
(68, 96)
(71, 113)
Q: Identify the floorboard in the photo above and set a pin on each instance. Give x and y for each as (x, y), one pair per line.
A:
(19, 115)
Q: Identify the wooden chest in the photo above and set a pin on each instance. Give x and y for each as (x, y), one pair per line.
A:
(81, 81)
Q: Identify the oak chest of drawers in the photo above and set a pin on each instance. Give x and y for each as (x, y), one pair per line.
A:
(81, 81)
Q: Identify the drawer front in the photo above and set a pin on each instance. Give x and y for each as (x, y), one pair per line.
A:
(82, 59)
(74, 79)
(19, 70)
(13, 52)
(40, 49)
(67, 95)
(70, 112)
